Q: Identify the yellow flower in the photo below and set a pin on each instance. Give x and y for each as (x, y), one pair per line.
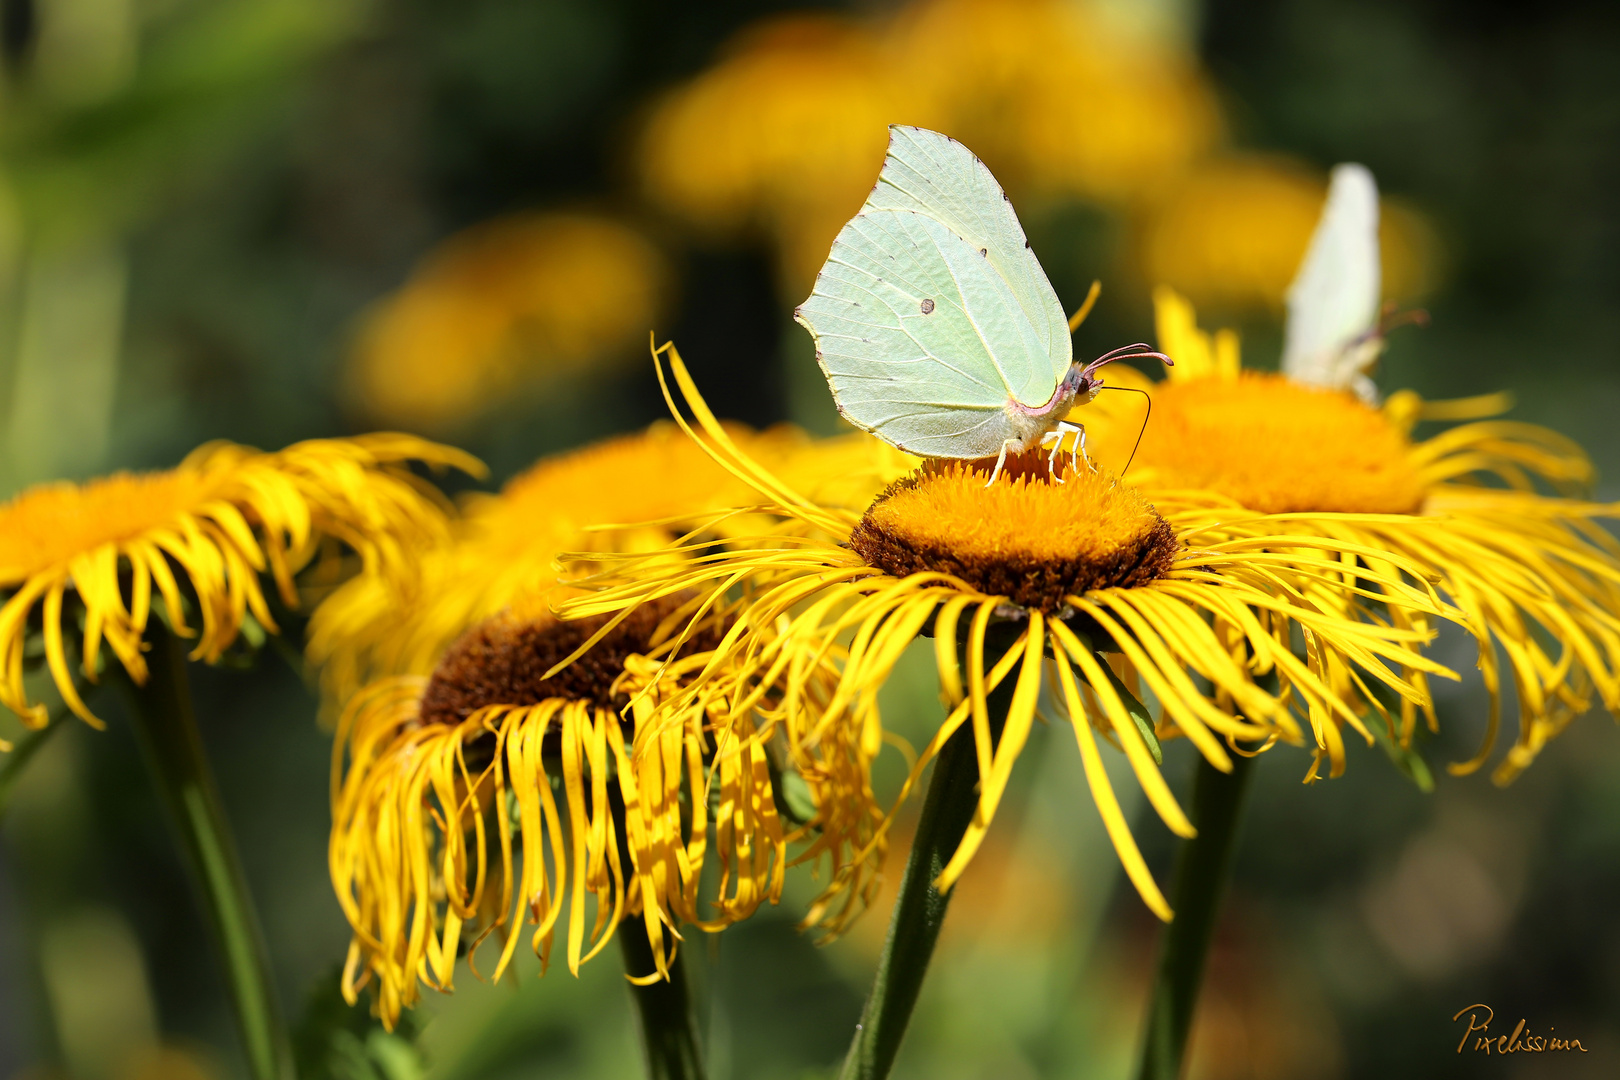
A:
(1039, 579)
(200, 533)
(1531, 576)
(1233, 231)
(507, 545)
(783, 134)
(446, 824)
(501, 306)
(795, 113)
(1058, 100)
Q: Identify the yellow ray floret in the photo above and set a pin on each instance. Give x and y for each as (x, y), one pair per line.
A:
(490, 796)
(202, 532)
(1535, 577)
(506, 545)
(1097, 578)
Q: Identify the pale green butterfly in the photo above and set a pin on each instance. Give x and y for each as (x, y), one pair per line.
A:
(934, 323)
(1333, 336)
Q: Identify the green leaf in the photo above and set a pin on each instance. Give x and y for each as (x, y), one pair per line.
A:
(338, 1041)
(1133, 705)
(795, 795)
(1406, 759)
(793, 799)
(1139, 713)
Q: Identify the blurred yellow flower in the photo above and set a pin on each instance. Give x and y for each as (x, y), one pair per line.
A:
(795, 114)
(434, 774)
(1534, 578)
(1232, 233)
(782, 136)
(199, 536)
(502, 306)
(507, 545)
(1056, 100)
(434, 780)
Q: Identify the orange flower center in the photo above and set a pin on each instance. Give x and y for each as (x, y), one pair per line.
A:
(1024, 537)
(1272, 444)
(52, 523)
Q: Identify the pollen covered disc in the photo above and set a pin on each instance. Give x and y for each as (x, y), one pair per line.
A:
(1030, 539)
(52, 523)
(1269, 443)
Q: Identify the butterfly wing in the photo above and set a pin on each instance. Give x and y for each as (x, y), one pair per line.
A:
(919, 336)
(1331, 338)
(935, 175)
(932, 311)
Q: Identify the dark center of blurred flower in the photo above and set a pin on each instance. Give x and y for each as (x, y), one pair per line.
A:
(504, 660)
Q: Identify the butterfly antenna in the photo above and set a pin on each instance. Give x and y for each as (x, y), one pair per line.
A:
(1392, 318)
(1138, 351)
(1141, 431)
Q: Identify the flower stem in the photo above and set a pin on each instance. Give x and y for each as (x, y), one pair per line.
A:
(1202, 868)
(167, 731)
(668, 1024)
(668, 1027)
(919, 910)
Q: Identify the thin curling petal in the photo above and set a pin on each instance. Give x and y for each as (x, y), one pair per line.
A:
(208, 528)
(1027, 560)
(1102, 793)
(1459, 527)
(657, 483)
(597, 791)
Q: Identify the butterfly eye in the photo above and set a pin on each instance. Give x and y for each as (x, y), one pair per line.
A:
(927, 307)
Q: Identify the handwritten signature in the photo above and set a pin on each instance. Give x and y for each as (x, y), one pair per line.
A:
(1520, 1042)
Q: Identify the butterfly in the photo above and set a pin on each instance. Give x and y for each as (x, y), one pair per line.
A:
(934, 323)
(1333, 336)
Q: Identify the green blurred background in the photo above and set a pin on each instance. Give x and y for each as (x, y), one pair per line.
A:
(266, 220)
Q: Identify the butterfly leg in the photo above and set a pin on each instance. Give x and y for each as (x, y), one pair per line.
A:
(1077, 449)
(1000, 461)
(1055, 438)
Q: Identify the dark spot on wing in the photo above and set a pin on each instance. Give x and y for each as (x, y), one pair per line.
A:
(984, 251)
(927, 307)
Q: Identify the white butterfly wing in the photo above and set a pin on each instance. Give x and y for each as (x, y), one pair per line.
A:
(919, 336)
(1331, 339)
(935, 175)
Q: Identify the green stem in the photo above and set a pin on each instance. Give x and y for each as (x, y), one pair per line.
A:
(668, 1027)
(1202, 868)
(167, 730)
(919, 910)
(664, 1007)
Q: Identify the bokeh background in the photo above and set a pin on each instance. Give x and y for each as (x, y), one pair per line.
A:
(267, 220)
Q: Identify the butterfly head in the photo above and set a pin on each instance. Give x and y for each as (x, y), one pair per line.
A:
(1085, 379)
